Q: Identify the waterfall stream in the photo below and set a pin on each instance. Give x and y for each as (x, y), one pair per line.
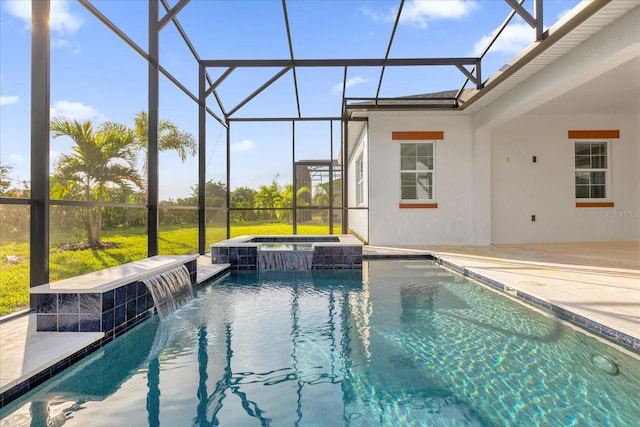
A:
(170, 290)
(290, 257)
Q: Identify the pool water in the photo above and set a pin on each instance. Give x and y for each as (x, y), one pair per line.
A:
(398, 343)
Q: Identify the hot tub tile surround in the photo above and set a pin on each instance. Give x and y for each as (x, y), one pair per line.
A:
(331, 252)
(110, 301)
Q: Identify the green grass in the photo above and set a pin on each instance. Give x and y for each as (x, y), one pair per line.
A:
(175, 240)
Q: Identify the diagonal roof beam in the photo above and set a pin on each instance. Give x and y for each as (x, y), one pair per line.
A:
(190, 46)
(386, 55)
(295, 77)
(102, 18)
(486, 49)
(224, 75)
(172, 13)
(534, 22)
(469, 74)
(344, 91)
(212, 88)
(260, 89)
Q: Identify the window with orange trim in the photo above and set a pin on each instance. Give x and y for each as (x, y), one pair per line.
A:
(592, 166)
(417, 161)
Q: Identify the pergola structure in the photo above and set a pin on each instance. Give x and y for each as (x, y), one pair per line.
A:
(162, 14)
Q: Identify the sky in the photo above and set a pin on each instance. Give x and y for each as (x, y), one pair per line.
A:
(95, 76)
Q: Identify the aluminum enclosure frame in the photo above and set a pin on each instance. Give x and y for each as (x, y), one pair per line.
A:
(39, 200)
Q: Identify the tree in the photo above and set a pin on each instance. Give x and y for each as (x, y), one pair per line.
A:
(321, 197)
(99, 161)
(5, 179)
(169, 137)
(286, 201)
(243, 198)
(268, 197)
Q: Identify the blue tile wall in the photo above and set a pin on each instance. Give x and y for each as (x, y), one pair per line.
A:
(109, 312)
(324, 257)
(337, 257)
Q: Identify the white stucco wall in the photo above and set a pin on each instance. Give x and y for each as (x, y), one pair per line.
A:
(487, 186)
(359, 218)
(452, 221)
(521, 188)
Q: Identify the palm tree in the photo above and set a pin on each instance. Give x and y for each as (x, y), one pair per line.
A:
(99, 161)
(169, 137)
(268, 197)
(286, 201)
(321, 197)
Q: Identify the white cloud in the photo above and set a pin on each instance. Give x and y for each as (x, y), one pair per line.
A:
(8, 100)
(244, 145)
(75, 111)
(16, 158)
(513, 40)
(374, 14)
(62, 20)
(337, 89)
(418, 13)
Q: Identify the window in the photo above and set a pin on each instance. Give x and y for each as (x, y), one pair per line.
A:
(359, 181)
(416, 171)
(591, 169)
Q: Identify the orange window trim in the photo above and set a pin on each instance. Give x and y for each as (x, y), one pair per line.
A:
(417, 136)
(418, 205)
(595, 134)
(594, 204)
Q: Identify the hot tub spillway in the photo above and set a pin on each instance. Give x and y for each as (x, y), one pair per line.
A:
(285, 256)
(170, 290)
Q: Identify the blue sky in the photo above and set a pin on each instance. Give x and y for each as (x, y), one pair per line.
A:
(95, 76)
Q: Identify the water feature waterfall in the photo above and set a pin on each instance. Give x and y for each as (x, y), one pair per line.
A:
(170, 290)
(285, 257)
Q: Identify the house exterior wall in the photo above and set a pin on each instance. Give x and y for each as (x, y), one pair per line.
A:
(487, 186)
(546, 189)
(359, 218)
(452, 222)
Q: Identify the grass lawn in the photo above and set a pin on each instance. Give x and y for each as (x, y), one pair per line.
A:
(14, 284)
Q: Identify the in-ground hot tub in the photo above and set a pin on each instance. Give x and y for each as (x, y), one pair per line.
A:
(289, 252)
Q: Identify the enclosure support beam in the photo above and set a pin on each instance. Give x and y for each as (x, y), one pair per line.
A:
(535, 22)
(228, 179)
(152, 148)
(294, 203)
(331, 177)
(202, 160)
(345, 171)
(40, 99)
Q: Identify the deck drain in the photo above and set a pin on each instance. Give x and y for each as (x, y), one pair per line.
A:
(531, 283)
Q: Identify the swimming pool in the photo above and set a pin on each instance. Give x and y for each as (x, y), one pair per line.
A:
(396, 343)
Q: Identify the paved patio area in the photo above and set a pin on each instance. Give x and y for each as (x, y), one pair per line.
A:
(600, 281)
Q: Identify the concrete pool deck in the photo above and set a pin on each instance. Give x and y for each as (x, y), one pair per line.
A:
(600, 281)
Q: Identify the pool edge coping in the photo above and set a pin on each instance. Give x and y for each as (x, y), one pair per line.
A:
(612, 335)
